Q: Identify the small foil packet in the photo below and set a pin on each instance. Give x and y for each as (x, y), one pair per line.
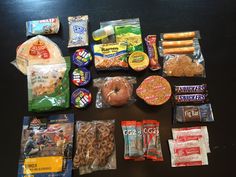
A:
(78, 31)
(45, 26)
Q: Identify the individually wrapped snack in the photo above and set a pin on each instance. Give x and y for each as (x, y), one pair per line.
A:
(38, 50)
(126, 30)
(111, 56)
(48, 87)
(180, 35)
(192, 133)
(187, 153)
(152, 52)
(81, 98)
(193, 113)
(154, 90)
(191, 98)
(114, 91)
(138, 61)
(46, 26)
(95, 147)
(46, 146)
(78, 31)
(82, 57)
(185, 89)
(173, 44)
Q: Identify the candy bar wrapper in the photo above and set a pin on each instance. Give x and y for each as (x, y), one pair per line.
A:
(193, 113)
(46, 26)
(192, 133)
(46, 146)
(78, 31)
(180, 35)
(132, 141)
(185, 89)
(152, 52)
(191, 98)
(187, 153)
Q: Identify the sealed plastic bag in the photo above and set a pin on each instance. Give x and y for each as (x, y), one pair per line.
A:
(38, 50)
(46, 146)
(48, 87)
(114, 91)
(126, 30)
(95, 146)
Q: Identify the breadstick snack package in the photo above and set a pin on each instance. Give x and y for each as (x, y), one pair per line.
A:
(95, 146)
(180, 35)
(46, 146)
(114, 91)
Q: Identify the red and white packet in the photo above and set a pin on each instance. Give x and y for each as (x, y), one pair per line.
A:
(188, 153)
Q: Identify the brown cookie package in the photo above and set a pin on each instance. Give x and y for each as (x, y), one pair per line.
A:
(95, 146)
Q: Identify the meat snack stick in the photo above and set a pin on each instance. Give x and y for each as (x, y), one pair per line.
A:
(182, 43)
(180, 35)
(178, 50)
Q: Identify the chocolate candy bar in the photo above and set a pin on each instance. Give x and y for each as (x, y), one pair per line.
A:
(198, 113)
(194, 98)
(190, 89)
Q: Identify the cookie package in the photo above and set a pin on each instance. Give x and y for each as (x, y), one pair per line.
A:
(46, 146)
(95, 146)
(114, 91)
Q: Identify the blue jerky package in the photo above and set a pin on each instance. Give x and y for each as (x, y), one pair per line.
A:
(46, 146)
(46, 26)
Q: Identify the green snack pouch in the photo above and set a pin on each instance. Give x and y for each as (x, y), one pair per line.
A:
(48, 86)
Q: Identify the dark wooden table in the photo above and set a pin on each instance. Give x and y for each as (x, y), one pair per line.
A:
(216, 20)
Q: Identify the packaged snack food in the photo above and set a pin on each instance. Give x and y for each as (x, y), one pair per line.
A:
(81, 98)
(180, 35)
(48, 87)
(114, 91)
(126, 30)
(191, 98)
(78, 31)
(187, 153)
(103, 32)
(82, 57)
(193, 113)
(178, 50)
(152, 52)
(192, 133)
(46, 26)
(46, 146)
(95, 146)
(110, 56)
(138, 61)
(38, 50)
(173, 44)
(154, 90)
(185, 89)
(81, 76)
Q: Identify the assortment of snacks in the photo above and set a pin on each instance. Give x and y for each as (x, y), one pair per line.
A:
(78, 31)
(95, 146)
(138, 61)
(46, 26)
(142, 140)
(46, 146)
(81, 98)
(154, 90)
(114, 91)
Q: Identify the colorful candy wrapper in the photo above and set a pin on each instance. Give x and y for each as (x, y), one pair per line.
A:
(192, 133)
(193, 89)
(152, 52)
(193, 113)
(191, 98)
(187, 153)
(46, 26)
(180, 35)
(78, 31)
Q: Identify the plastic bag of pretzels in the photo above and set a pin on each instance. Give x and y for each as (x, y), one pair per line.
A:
(114, 91)
(95, 146)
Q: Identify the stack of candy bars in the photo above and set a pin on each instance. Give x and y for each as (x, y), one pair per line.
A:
(191, 104)
(189, 146)
(142, 140)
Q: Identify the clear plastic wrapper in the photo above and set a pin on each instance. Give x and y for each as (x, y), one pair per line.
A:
(126, 30)
(193, 113)
(192, 133)
(48, 87)
(46, 146)
(114, 91)
(78, 31)
(112, 56)
(38, 50)
(180, 35)
(187, 153)
(95, 146)
(45, 26)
